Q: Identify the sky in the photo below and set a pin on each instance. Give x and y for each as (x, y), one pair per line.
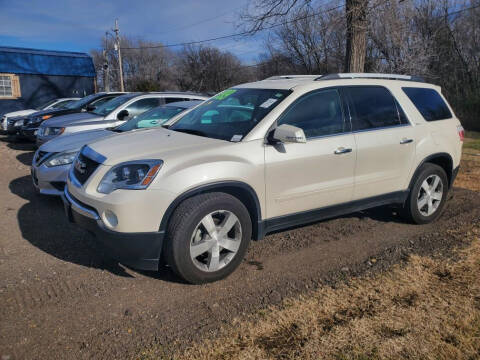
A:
(78, 25)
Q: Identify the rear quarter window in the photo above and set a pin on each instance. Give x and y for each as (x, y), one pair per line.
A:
(429, 103)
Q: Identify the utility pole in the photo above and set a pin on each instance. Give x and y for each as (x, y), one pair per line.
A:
(106, 76)
(117, 47)
(356, 11)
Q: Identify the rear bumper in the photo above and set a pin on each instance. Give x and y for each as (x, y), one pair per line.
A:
(137, 250)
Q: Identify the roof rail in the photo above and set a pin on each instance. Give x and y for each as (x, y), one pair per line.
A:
(286, 77)
(370, 76)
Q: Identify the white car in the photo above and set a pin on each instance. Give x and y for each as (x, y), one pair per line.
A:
(52, 104)
(262, 157)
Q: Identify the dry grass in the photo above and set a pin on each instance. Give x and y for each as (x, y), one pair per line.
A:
(426, 309)
(469, 176)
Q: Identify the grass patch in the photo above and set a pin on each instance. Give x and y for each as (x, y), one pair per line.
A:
(472, 134)
(472, 144)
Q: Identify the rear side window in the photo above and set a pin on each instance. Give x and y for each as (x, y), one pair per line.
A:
(429, 103)
(374, 107)
(102, 101)
(142, 105)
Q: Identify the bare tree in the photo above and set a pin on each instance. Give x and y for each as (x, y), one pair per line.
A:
(207, 69)
(356, 14)
(147, 66)
(395, 43)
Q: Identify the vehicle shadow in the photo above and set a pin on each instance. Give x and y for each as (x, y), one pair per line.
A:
(17, 143)
(26, 158)
(21, 145)
(43, 223)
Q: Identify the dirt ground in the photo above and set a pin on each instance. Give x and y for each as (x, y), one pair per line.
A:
(61, 298)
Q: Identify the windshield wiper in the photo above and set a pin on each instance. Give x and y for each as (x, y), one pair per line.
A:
(192, 132)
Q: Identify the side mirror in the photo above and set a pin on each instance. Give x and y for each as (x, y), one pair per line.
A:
(122, 114)
(90, 108)
(288, 134)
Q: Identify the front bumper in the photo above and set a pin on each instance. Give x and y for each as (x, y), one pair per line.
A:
(137, 250)
(29, 133)
(49, 180)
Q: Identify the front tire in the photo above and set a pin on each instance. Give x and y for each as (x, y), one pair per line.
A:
(427, 196)
(207, 237)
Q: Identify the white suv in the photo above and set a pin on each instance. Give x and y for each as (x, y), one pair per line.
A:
(261, 157)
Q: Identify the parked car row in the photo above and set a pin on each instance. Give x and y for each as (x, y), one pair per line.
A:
(255, 158)
(26, 126)
(52, 104)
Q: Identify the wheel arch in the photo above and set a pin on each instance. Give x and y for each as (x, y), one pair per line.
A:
(444, 160)
(240, 190)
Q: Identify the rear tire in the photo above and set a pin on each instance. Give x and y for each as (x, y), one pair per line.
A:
(427, 196)
(207, 237)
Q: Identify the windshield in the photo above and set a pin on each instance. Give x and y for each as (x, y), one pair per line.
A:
(231, 114)
(154, 117)
(107, 107)
(61, 104)
(46, 104)
(82, 102)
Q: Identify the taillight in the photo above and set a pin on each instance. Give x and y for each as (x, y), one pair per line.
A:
(461, 132)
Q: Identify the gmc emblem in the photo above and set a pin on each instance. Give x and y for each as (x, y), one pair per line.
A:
(80, 166)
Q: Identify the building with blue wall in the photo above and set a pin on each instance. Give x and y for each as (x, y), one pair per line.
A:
(30, 78)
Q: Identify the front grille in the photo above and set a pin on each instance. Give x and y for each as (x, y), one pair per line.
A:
(83, 167)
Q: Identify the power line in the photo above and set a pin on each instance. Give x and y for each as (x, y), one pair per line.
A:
(201, 21)
(373, 7)
(243, 33)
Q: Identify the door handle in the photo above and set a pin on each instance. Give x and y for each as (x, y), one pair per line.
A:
(342, 150)
(406, 141)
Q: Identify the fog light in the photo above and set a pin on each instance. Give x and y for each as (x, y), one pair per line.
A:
(110, 218)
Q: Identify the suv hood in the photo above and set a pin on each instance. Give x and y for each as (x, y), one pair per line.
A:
(71, 119)
(75, 141)
(149, 144)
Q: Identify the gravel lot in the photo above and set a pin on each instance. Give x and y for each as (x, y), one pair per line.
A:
(61, 297)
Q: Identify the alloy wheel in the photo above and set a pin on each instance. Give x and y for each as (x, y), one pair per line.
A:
(215, 240)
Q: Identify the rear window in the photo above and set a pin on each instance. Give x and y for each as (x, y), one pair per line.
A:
(429, 103)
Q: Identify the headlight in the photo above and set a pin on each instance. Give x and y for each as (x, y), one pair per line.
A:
(38, 119)
(34, 120)
(134, 175)
(61, 159)
(52, 131)
(18, 123)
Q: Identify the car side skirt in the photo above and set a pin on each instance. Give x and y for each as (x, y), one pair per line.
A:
(310, 216)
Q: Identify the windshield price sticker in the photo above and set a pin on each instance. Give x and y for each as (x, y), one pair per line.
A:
(224, 94)
(268, 103)
(236, 138)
